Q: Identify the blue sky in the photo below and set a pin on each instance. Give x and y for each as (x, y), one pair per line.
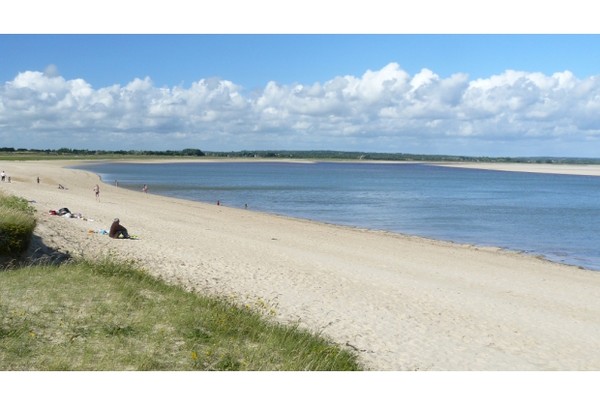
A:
(450, 93)
(253, 60)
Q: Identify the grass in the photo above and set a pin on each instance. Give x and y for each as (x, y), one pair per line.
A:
(107, 316)
(16, 224)
(16, 203)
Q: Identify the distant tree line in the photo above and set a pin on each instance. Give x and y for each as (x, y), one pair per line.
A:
(77, 152)
(312, 154)
(384, 156)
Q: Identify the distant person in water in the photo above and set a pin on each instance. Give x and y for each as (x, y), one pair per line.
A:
(117, 230)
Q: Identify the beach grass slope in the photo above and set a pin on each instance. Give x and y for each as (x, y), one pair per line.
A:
(109, 316)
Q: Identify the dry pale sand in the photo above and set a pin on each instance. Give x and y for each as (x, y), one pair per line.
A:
(401, 302)
(566, 169)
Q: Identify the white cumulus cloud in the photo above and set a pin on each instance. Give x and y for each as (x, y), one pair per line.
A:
(526, 113)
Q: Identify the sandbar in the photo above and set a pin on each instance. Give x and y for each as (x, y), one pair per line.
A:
(557, 169)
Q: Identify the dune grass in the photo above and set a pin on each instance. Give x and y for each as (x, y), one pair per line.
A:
(107, 316)
(16, 224)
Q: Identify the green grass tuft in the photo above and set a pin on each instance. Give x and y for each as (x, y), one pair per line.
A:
(16, 203)
(16, 225)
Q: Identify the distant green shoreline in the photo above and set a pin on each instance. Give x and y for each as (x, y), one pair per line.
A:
(7, 153)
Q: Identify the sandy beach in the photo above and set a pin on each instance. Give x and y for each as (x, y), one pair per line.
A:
(401, 302)
(559, 169)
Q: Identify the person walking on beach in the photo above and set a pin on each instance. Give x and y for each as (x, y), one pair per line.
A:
(145, 188)
(97, 191)
(3, 176)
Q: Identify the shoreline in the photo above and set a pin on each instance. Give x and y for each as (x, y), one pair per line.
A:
(550, 169)
(557, 169)
(404, 302)
(563, 169)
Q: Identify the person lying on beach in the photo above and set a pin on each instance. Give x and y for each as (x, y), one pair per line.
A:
(117, 230)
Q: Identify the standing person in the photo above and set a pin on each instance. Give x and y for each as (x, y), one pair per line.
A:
(97, 191)
(38, 180)
(145, 188)
(117, 230)
(3, 176)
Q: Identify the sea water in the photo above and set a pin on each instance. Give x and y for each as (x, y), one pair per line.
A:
(556, 216)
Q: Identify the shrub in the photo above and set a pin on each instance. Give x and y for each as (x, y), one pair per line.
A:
(17, 203)
(16, 225)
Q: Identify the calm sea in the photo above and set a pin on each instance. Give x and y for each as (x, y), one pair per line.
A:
(557, 216)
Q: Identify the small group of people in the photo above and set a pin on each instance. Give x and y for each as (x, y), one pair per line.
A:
(4, 178)
(97, 189)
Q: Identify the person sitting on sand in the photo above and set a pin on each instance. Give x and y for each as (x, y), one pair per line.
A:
(117, 230)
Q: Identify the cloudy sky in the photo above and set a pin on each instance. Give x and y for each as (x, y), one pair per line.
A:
(445, 93)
